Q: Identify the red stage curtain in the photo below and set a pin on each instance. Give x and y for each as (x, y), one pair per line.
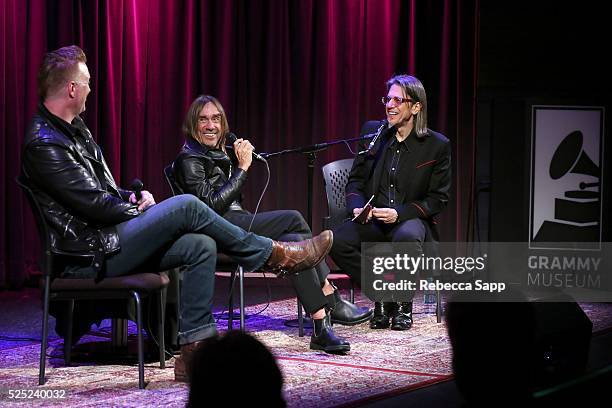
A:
(289, 74)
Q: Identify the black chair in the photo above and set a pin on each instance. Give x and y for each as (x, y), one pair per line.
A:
(335, 176)
(226, 264)
(64, 289)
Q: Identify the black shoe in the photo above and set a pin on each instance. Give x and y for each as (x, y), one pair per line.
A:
(382, 315)
(324, 338)
(402, 319)
(347, 313)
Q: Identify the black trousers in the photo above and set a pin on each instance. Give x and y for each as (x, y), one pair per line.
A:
(346, 251)
(289, 226)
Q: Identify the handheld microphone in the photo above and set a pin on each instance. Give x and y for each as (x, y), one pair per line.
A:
(137, 187)
(382, 127)
(231, 137)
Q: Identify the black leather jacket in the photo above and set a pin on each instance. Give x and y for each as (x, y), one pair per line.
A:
(69, 177)
(425, 192)
(203, 172)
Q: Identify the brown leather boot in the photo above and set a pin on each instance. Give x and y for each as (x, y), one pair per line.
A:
(182, 363)
(291, 257)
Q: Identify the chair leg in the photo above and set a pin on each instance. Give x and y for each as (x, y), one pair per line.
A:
(141, 383)
(241, 294)
(45, 333)
(300, 319)
(68, 338)
(230, 301)
(119, 333)
(162, 315)
(438, 307)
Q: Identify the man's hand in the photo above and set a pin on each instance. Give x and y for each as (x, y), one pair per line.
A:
(145, 202)
(386, 215)
(357, 211)
(244, 153)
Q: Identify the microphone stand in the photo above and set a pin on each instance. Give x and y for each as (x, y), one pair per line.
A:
(311, 155)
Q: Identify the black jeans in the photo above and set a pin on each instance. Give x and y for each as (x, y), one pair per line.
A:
(289, 226)
(346, 250)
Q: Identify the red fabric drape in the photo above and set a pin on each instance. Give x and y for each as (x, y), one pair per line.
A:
(288, 73)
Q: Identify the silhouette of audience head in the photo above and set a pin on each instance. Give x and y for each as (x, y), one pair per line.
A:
(238, 367)
(493, 351)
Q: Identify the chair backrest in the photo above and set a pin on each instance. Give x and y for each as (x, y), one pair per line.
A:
(335, 176)
(44, 232)
(170, 179)
(41, 224)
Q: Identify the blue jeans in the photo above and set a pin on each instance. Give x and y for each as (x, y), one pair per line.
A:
(183, 232)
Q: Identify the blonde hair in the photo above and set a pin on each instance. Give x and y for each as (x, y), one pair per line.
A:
(57, 68)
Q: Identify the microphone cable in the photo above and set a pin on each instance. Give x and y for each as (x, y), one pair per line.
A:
(374, 135)
(233, 281)
(348, 146)
(379, 131)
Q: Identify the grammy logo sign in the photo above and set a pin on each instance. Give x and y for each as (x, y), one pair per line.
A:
(566, 178)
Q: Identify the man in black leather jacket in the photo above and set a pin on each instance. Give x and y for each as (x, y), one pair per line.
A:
(206, 169)
(89, 214)
(407, 173)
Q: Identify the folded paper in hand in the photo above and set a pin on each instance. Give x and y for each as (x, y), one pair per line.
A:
(362, 217)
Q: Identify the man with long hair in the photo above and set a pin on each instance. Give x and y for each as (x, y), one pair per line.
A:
(216, 175)
(406, 173)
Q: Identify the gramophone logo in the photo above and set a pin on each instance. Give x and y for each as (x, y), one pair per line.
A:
(566, 177)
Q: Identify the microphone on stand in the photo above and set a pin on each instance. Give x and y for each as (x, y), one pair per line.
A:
(137, 188)
(376, 135)
(231, 137)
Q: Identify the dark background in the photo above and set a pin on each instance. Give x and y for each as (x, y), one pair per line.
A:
(552, 53)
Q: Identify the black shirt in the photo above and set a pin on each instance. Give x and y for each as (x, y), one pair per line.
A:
(394, 169)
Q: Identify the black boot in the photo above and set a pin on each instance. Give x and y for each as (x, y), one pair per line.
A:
(382, 314)
(346, 313)
(402, 319)
(324, 338)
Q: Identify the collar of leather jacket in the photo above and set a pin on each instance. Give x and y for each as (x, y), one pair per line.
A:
(220, 158)
(69, 129)
(77, 131)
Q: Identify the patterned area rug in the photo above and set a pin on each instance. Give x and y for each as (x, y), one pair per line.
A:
(380, 364)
